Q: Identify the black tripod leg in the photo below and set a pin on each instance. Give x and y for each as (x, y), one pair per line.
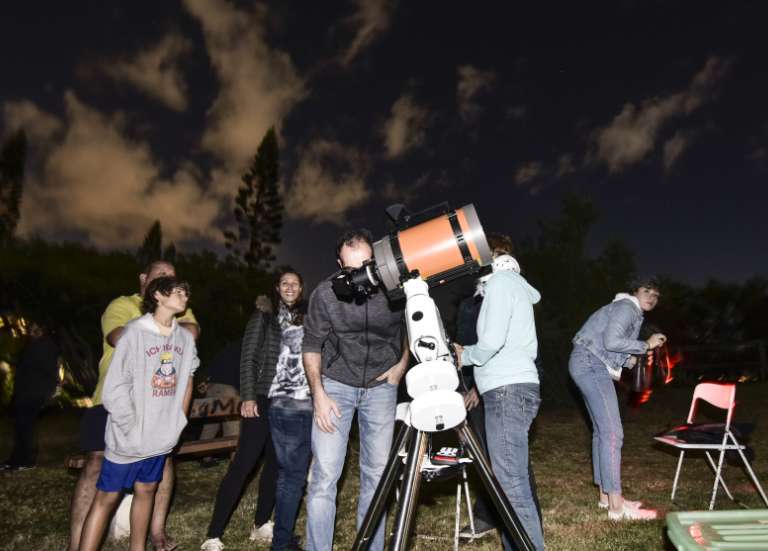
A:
(499, 498)
(379, 502)
(409, 492)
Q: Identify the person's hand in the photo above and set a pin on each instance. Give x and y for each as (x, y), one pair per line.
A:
(459, 351)
(471, 399)
(632, 362)
(263, 304)
(249, 409)
(656, 340)
(324, 408)
(393, 374)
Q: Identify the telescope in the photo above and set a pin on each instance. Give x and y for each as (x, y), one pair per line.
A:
(439, 244)
(423, 251)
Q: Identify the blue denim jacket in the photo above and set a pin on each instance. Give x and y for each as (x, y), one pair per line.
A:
(611, 334)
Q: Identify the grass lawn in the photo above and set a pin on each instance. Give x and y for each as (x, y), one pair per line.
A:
(34, 504)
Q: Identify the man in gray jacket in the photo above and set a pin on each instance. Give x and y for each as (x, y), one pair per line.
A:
(354, 356)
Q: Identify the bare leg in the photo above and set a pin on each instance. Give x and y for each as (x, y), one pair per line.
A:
(82, 498)
(141, 511)
(96, 522)
(162, 505)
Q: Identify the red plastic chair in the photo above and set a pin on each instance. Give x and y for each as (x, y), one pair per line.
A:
(722, 396)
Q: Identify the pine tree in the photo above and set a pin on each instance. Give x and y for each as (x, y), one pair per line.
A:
(258, 208)
(12, 159)
(152, 247)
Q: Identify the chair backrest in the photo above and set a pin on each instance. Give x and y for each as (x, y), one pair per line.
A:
(721, 395)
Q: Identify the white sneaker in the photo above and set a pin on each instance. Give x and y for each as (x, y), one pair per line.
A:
(629, 513)
(263, 532)
(213, 544)
(627, 503)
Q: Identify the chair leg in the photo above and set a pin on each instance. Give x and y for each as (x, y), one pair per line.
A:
(751, 472)
(677, 474)
(714, 470)
(717, 478)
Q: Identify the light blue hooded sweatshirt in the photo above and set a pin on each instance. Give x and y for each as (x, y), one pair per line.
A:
(506, 349)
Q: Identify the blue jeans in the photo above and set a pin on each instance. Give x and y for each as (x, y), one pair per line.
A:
(290, 422)
(599, 392)
(376, 419)
(509, 412)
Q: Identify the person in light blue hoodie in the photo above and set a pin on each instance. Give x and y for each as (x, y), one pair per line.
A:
(605, 344)
(508, 381)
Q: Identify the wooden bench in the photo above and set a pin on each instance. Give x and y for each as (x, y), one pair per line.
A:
(203, 410)
(206, 410)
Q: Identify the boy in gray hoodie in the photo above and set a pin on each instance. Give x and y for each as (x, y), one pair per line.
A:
(147, 393)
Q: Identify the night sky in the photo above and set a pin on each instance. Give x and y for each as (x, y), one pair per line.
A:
(656, 111)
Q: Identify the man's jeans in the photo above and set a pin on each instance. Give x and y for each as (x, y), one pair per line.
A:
(509, 412)
(376, 418)
(290, 423)
(594, 382)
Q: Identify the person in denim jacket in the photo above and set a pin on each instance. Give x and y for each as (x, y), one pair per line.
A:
(604, 345)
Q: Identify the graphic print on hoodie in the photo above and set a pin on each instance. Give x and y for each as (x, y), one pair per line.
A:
(144, 390)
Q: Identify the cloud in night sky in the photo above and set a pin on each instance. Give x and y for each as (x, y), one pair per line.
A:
(528, 172)
(371, 18)
(258, 85)
(38, 125)
(404, 129)
(97, 183)
(674, 147)
(329, 180)
(155, 71)
(472, 82)
(633, 134)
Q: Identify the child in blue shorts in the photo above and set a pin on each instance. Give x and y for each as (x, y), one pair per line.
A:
(147, 392)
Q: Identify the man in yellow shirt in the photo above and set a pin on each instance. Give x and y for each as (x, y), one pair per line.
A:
(93, 424)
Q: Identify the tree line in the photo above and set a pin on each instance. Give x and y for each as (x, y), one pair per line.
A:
(68, 285)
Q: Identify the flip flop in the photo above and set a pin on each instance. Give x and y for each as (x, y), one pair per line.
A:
(169, 544)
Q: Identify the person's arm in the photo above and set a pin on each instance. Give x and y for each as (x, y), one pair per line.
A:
(192, 327)
(492, 324)
(614, 336)
(188, 395)
(191, 383)
(317, 327)
(395, 373)
(117, 395)
(249, 369)
(113, 321)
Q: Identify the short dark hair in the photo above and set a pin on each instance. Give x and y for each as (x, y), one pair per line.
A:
(353, 236)
(500, 243)
(647, 281)
(148, 268)
(165, 286)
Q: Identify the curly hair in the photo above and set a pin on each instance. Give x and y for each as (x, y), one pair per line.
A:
(298, 308)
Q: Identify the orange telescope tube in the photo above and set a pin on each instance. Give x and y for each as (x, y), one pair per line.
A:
(437, 248)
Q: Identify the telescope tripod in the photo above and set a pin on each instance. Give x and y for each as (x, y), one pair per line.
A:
(416, 442)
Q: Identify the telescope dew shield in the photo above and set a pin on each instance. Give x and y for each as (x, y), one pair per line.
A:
(441, 249)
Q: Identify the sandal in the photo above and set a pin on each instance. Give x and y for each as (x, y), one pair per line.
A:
(166, 544)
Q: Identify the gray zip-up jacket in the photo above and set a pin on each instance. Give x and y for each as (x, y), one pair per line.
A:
(144, 390)
(358, 342)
